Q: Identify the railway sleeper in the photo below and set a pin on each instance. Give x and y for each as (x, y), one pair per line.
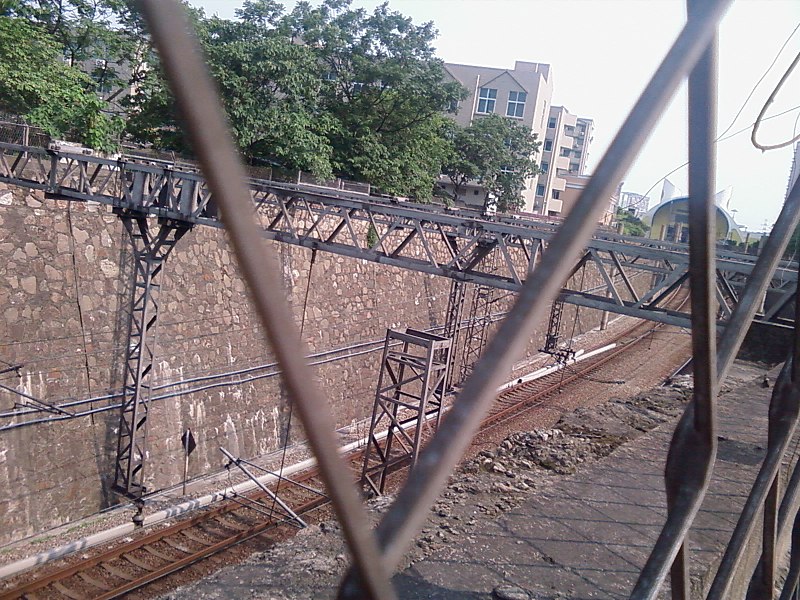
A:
(137, 562)
(65, 591)
(117, 572)
(159, 554)
(179, 547)
(93, 581)
(197, 538)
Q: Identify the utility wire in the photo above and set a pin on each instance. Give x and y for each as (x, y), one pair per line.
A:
(291, 404)
(767, 104)
(755, 87)
(721, 137)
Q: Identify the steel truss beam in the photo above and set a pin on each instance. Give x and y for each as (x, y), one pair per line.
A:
(477, 330)
(459, 244)
(152, 243)
(453, 323)
(411, 387)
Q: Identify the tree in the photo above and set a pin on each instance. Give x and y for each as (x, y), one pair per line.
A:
(385, 91)
(630, 224)
(82, 28)
(498, 154)
(36, 84)
(325, 89)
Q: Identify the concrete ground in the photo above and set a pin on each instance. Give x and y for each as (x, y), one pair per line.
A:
(590, 535)
(584, 535)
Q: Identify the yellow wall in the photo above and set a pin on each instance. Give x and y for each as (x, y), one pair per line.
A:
(677, 214)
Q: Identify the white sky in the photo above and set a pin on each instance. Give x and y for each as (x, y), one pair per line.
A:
(603, 52)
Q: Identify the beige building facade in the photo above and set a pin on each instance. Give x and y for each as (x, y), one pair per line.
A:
(564, 152)
(524, 94)
(573, 186)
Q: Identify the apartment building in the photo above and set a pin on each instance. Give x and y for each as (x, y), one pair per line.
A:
(564, 152)
(636, 203)
(524, 94)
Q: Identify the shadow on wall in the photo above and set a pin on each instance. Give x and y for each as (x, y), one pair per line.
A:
(106, 430)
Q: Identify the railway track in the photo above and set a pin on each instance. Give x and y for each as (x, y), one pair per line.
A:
(148, 558)
(532, 394)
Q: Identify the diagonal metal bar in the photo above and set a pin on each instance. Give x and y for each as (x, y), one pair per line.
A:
(693, 448)
(758, 281)
(202, 111)
(406, 515)
(782, 422)
(624, 276)
(612, 289)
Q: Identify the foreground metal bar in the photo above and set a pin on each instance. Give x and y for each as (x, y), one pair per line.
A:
(693, 448)
(203, 114)
(758, 281)
(238, 463)
(443, 452)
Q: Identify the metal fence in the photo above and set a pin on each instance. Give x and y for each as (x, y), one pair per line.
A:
(376, 553)
(19, 132)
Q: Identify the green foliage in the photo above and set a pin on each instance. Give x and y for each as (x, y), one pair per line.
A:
(630, 224)
(497, 153)
(372, 236)
(324, 89)
(36, 84)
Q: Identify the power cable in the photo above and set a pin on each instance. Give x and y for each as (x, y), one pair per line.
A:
(763, 76)
(721, 137)
(291, 404)
(767, 104)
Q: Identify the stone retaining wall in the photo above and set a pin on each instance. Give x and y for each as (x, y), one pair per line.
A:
(65, 275)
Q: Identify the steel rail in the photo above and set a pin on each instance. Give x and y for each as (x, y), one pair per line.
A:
(504, 413)
(407, 514)
(539, 397)
(200, 106)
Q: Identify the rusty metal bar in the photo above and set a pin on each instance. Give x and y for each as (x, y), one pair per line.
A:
(201, 109)
(694, 444)
(406, 515)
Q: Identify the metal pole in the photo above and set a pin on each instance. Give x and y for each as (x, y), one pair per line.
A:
(185, 467)
(265, 489)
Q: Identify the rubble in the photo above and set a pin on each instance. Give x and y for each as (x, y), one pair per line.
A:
(491, 483)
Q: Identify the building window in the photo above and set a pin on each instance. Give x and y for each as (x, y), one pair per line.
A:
(566, 151)
(556, 194)
(574, 167)
(545, 166)
(540, 190)
(548, 145)
(516, 104)
(486, 100)
(551, 124)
